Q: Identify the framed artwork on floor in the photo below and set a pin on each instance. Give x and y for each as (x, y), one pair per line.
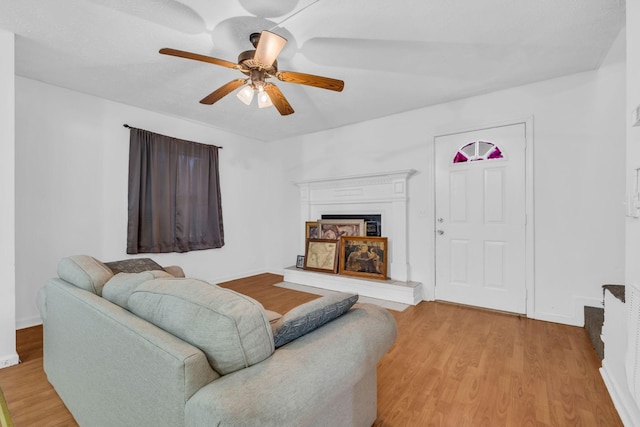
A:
(335, 228)
(364, 257)
(322, 255)
(311, 230)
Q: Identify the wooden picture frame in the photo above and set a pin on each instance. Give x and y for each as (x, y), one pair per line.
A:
(311, 230)
(322, 255)
(300, 261)
(335, 228)
(364, 257)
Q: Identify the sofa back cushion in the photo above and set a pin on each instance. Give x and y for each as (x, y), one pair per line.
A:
(230, 328)
(85, 272)
(119, 288)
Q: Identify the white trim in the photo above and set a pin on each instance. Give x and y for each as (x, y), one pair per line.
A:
(237, 276)
(384, 193)
(574, 319)
(28, 322)
(627, 410)
(429, 289)
(9, 360)
(368, 177)
(530, 219)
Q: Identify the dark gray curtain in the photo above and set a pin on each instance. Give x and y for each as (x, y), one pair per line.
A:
(174, 195)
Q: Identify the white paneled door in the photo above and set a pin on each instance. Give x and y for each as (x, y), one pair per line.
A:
(481, 218)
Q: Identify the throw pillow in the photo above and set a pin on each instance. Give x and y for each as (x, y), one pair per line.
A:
(231, 329)
(133, 265)
(120, 287)
(309, 316)
(85, 272)
(174, 270)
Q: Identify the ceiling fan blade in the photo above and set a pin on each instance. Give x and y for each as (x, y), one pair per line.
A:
(268, 48)
(219, 93)
(310, 80)
(198, 57)
(278, 99)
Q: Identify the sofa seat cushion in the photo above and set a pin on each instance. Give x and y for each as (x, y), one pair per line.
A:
(84, 272)
(311, 315)
(119, 288)
(230, 328)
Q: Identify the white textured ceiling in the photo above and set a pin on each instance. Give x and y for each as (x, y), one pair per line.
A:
(394, 56)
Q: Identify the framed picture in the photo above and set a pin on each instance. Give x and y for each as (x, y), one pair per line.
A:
(322, 255)
(364, 257)
(335, 228)
(300, 261)
(311, 230)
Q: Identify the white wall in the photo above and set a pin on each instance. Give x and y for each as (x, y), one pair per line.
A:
(71, 188)
(71, 183)
(579, 134)
(633, 138)
(8, 355)
(616, 327)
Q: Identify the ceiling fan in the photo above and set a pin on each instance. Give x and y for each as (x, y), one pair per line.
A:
(259, 65)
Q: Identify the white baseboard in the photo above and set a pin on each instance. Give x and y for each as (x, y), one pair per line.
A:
(624, 404)
(576, 318)
(230, 277)
(28, 322)
(9, 360)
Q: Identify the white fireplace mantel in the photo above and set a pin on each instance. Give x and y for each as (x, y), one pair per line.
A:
(382, 193)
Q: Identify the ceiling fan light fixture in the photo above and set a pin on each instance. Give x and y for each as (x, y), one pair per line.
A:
(264, 100)
(268, 48)
(246, 94)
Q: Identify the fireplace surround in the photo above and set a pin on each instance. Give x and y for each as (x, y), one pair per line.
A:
(384, 194)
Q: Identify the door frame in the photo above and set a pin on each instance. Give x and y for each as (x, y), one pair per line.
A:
(529, 204)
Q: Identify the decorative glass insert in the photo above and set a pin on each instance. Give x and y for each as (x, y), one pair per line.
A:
(477, 150)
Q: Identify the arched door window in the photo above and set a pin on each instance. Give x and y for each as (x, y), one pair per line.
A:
(477, 150)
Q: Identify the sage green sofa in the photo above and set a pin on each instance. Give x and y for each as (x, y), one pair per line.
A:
(120, 350)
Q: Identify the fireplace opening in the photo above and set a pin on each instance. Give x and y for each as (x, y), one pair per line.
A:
(373, 222)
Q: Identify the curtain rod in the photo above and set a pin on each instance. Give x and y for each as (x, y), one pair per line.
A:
(130, 127)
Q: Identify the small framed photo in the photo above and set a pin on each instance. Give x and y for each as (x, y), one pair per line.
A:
(300, 261)
(322, 255)
(364, 257)
(335, 228)
(311, 230)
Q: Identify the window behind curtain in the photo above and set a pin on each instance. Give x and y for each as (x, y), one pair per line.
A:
(174, 195)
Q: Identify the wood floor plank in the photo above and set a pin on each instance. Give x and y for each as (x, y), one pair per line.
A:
(450, 366)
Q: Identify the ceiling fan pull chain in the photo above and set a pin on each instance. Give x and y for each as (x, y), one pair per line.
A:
(293, 14)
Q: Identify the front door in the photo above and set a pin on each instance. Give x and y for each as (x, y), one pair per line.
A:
(481, 218)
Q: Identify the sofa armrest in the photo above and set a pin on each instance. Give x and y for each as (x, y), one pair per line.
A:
(301, 378)
(42, 303)
(112, 368)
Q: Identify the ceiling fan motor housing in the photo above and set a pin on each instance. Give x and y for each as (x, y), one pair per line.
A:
(247, 63)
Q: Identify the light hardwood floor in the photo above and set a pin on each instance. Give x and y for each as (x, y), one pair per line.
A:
(450, 366)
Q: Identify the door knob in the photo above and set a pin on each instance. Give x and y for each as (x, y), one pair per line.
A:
(440, 232)
(440, 219)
